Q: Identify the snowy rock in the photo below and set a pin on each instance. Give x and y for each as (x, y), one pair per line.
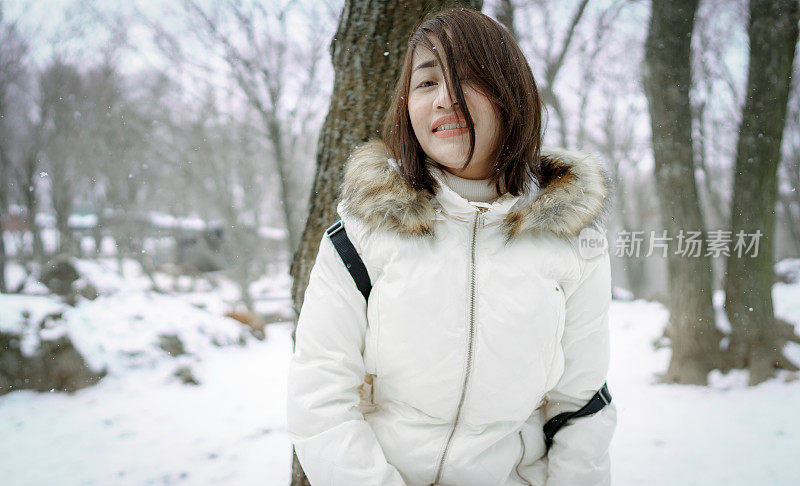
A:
(71, 278)
(55, 365)
(47, 345)
(36, 351)
(787, 270)
(171, 344)
(134, 329)
(619, 293)
(59, 274)
(186, 376)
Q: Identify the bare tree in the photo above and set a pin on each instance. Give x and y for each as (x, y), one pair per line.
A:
(591, 63)
(757, 340)
(716, 97)
(117, 162)
(617, 142)
(29, 177)
(552, 55)
(62, 91)
(262, 60)
(13, 50)
(226, 169)
(667, 79)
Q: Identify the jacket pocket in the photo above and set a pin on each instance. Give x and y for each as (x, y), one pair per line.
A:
(367, 388)
(365, 393)
(374, 328)
(519, 462)
(370, 352)
(561, 302)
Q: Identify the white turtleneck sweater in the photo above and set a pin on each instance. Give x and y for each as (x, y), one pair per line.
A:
(472, 190)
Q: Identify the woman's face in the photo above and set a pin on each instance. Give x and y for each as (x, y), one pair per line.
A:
(429, 105)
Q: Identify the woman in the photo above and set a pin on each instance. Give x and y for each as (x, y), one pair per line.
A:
(487, 317)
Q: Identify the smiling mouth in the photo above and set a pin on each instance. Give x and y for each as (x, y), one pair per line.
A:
(450, 126)
(452, 133)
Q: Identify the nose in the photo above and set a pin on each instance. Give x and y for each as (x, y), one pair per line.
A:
(443, 98)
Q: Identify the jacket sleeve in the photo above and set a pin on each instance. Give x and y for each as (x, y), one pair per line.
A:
(579, 455)
(333, 442)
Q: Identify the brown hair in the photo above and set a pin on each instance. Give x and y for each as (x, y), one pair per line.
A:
(481, 49)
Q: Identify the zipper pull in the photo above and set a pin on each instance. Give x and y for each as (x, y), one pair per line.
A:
(480, 208)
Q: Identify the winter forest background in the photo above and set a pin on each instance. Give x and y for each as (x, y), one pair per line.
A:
(168, 169)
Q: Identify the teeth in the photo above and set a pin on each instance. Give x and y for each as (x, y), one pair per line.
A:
(448, 126)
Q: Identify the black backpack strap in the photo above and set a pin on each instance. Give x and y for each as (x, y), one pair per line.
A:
(350, 257)
(595, 404)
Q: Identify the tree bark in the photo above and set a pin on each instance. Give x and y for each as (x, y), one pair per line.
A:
(667, 80)
(755, 341)
(364, 80)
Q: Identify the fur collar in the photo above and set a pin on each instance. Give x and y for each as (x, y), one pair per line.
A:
(575, 193)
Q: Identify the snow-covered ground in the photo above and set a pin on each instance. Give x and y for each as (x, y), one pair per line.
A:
(724, 434)
(141, 425)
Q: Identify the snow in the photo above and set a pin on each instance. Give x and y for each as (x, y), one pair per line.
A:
(82, 221)
(140, 425)
(147, 428)
(102, 277)
(168, 221)
(13, 307)
(271, 233)
(723, 434)
(21, 314)
(95, 330)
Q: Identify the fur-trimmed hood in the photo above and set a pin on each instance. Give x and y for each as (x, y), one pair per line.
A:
(575, 192)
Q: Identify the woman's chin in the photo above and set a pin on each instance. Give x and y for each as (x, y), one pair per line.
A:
(454, 158)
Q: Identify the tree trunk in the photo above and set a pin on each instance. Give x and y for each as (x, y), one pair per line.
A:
(64, 235)
(791, 166)
(755, 340)
(32, 202)
(504, 13)
(792, 221)
(3, 212)
(667, 80)
(364, 80)
(7, 181)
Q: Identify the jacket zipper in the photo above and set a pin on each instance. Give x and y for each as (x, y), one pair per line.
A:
(475, 226)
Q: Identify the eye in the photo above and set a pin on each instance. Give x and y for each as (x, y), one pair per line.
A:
(422, 84)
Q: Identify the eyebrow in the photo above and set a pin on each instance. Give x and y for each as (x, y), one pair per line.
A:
(426, 64)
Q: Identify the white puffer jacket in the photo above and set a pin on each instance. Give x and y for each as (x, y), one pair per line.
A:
(482, 324)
